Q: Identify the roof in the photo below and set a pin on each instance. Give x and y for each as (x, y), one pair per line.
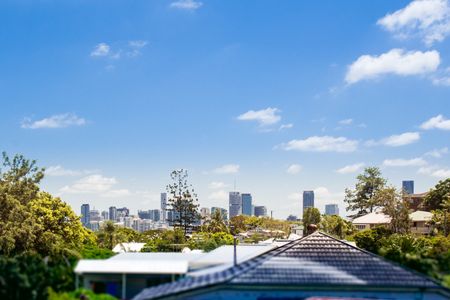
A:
(421, 216)
(315, 260)
(118, 266)
(372, 218)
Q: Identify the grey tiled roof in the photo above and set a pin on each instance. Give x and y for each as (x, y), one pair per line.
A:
(317, 259)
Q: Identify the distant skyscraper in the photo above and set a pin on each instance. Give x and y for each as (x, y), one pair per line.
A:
(308, 199)
(105, 215)
(163, 207)
(205, 212)
(408, 186)
(85, 215)
(235, 203)
(113, 213)
(332, 209)
(247, 208)
(260, 211)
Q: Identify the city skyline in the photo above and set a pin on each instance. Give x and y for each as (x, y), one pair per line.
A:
(112, 98)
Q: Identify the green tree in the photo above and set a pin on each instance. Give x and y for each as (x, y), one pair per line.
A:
(311, 215)
(370, 239)
(396, 207)
(336, 226)
(440, 222)
(360, 200)
(166, 241)
(438, 197)
(215, 224)
(57, 226)
(107, 235)
(209, 241)
(183, 201)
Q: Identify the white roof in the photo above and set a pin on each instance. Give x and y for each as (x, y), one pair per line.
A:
(118, 266)
(420, 216)
(373, 218)
(128, 247)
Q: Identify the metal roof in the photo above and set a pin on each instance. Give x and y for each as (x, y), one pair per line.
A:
(315, 260)
(117, 266)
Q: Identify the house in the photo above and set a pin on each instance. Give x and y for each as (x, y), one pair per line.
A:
(126, 274)
(317, 266)
(128, 247)
(419, 221)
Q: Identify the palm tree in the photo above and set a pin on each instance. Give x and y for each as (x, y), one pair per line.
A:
(110, 231)
(216, 224)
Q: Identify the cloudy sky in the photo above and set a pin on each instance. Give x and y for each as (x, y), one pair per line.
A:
(277, 97)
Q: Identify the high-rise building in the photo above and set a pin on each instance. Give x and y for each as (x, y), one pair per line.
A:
(113, 213)
(122, 212)
(408, 186)
(105, 215)
(235, 204)
(205, 212)
(85, 215)
(308, 199)
(223, 212)
(332, 209)
(163, 207)
(247, 208)
(291, 218)
(260, 211)
(94, 215)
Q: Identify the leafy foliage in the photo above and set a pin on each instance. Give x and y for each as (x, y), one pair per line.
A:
(209, 241)
(396, 207)
(166, 241)
(336, 226)
(361, 199)
(215, 224)
(439, 196)
(79, 294)
(311, 215)
(183, 201)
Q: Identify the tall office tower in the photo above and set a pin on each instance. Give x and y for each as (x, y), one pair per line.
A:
(235, 204)
(223, 212)
(408, 186)
(85, 215)
(260, 211)
(105, 215)
(123, 212)
(163, 207)
(247, 208)
(113, 213)
(308, 199)
(332, 209)
(155, 215)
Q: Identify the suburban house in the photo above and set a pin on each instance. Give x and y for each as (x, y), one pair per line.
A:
(419, 221)
(317, 266)
(126, 274)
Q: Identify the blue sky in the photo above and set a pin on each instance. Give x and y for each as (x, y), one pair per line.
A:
(280, 97)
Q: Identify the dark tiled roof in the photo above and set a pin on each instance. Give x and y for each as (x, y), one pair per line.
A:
(317, 259)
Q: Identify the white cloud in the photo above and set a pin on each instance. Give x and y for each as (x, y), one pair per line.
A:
(264, 117)
(101, 49)
(414, 162)
(435, 171)
(437, 153)
(286, 126)
(227, 169)
(186, 4)
(96, 184)
(438, 122)
(220, 195)
(322, 144)
(401, 139)
(136, 47)
(396, 61)
(217, 185)
(346, 122)
(58, 170)
(294, 169)
(56, 121)
(428, 19)
(350, 168)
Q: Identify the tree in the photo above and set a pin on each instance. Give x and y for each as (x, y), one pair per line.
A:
(107, 235)
(19, 181)
(215, 224)
(183, 201)
(209, 241)
(166, 241)
(440, 222)
(336, 226)
(57, 226)
(396, 207)
(370, 239)
(360, 200)
(439, 196)
(311, 215)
